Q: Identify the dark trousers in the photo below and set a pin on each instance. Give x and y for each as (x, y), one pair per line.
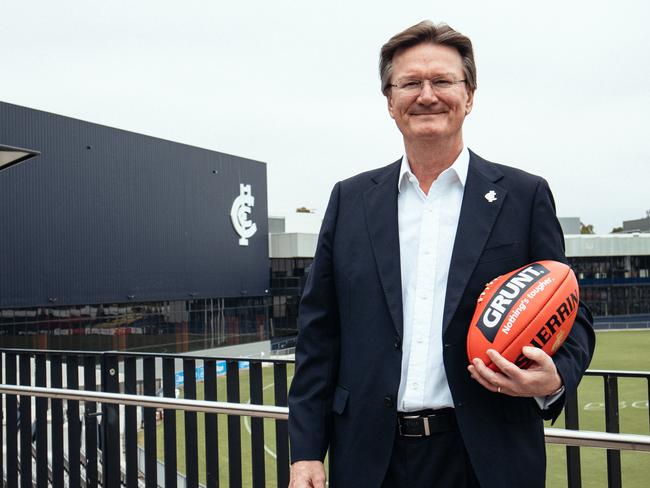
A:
(437, 461)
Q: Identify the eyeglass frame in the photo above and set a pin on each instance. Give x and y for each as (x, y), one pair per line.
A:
(421, 82)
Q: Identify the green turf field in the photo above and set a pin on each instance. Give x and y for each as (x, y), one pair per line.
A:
(621, 350)
(269, 433)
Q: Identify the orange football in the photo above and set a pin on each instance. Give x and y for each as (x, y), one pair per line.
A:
(535, 305)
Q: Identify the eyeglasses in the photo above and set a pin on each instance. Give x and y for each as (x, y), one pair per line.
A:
(413, 85)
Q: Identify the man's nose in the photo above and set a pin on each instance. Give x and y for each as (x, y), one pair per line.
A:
(427, 93)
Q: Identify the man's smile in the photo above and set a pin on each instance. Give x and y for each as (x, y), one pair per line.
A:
(428, 113)
(428, 110)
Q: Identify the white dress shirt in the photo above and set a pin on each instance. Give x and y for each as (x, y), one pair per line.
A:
(427, 230)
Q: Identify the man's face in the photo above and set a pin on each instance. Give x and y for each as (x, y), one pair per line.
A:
(429, 114)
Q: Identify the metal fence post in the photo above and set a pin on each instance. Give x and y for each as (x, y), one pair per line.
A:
(11, 406)
(2, 416)
(74, 424)
(169, 424)
(25, 419)
(191, 434)
(149, 418)
(234, 426)
(211, 426)
(131, 424)
(281, 426)
(40, 428)
(612, 425)
(56, 380)
(574, 479)
(90, 422)
(110, 423)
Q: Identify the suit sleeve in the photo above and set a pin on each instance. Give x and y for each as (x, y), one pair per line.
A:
(317, 349)
(547, 242)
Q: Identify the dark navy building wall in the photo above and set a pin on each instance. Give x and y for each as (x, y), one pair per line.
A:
(109, 216)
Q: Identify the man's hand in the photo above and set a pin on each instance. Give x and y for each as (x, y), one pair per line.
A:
(307, 474)
(539, 380)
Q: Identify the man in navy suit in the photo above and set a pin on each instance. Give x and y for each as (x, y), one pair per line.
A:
(382, 377)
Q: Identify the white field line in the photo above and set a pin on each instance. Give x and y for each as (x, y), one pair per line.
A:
(247, 423)
(598, 331)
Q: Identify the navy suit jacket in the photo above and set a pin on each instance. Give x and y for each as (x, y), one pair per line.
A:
(348, 355)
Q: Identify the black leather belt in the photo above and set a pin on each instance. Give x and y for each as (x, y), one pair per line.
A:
(426, 422)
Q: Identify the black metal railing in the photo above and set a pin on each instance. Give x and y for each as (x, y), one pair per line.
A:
(113, 404)
(611, 441)
(100, 445)
(612, 424)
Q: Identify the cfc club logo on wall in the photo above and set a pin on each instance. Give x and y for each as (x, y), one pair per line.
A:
(240, 214)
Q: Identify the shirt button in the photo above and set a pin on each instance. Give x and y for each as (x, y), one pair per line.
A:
(419, 339)
(415, 386)
(388, 401)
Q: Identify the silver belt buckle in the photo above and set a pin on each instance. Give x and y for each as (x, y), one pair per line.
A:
(427, 431)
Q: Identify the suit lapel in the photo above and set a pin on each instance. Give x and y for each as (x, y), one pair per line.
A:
(477, 217)
(380, 202)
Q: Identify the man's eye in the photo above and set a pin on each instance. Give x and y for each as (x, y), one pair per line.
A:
(442, 83)
(411, 84)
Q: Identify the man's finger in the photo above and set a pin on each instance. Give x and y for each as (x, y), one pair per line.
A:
(491, 379)
(480, 379)
(536, 354)
(487, 373)
(307, 474)
(318, 480)
(508, 368)
(307, 483)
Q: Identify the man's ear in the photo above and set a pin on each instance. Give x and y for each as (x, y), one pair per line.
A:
(470, 102)
(391, 105)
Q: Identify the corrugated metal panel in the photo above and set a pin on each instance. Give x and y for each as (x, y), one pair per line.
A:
(637, 225)
(105, 215)
(292, 245)
(570, 225)
(608, 245)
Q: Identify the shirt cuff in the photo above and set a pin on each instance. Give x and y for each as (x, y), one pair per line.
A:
(546, 401)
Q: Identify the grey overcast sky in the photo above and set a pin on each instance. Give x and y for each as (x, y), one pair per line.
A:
(564, 86)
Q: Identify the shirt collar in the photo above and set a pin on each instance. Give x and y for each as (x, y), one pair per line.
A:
(460, 167)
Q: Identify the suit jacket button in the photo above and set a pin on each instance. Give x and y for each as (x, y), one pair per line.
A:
(398, 343)
(388, 401)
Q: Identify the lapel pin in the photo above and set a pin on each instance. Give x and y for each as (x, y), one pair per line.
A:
(491, 196)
